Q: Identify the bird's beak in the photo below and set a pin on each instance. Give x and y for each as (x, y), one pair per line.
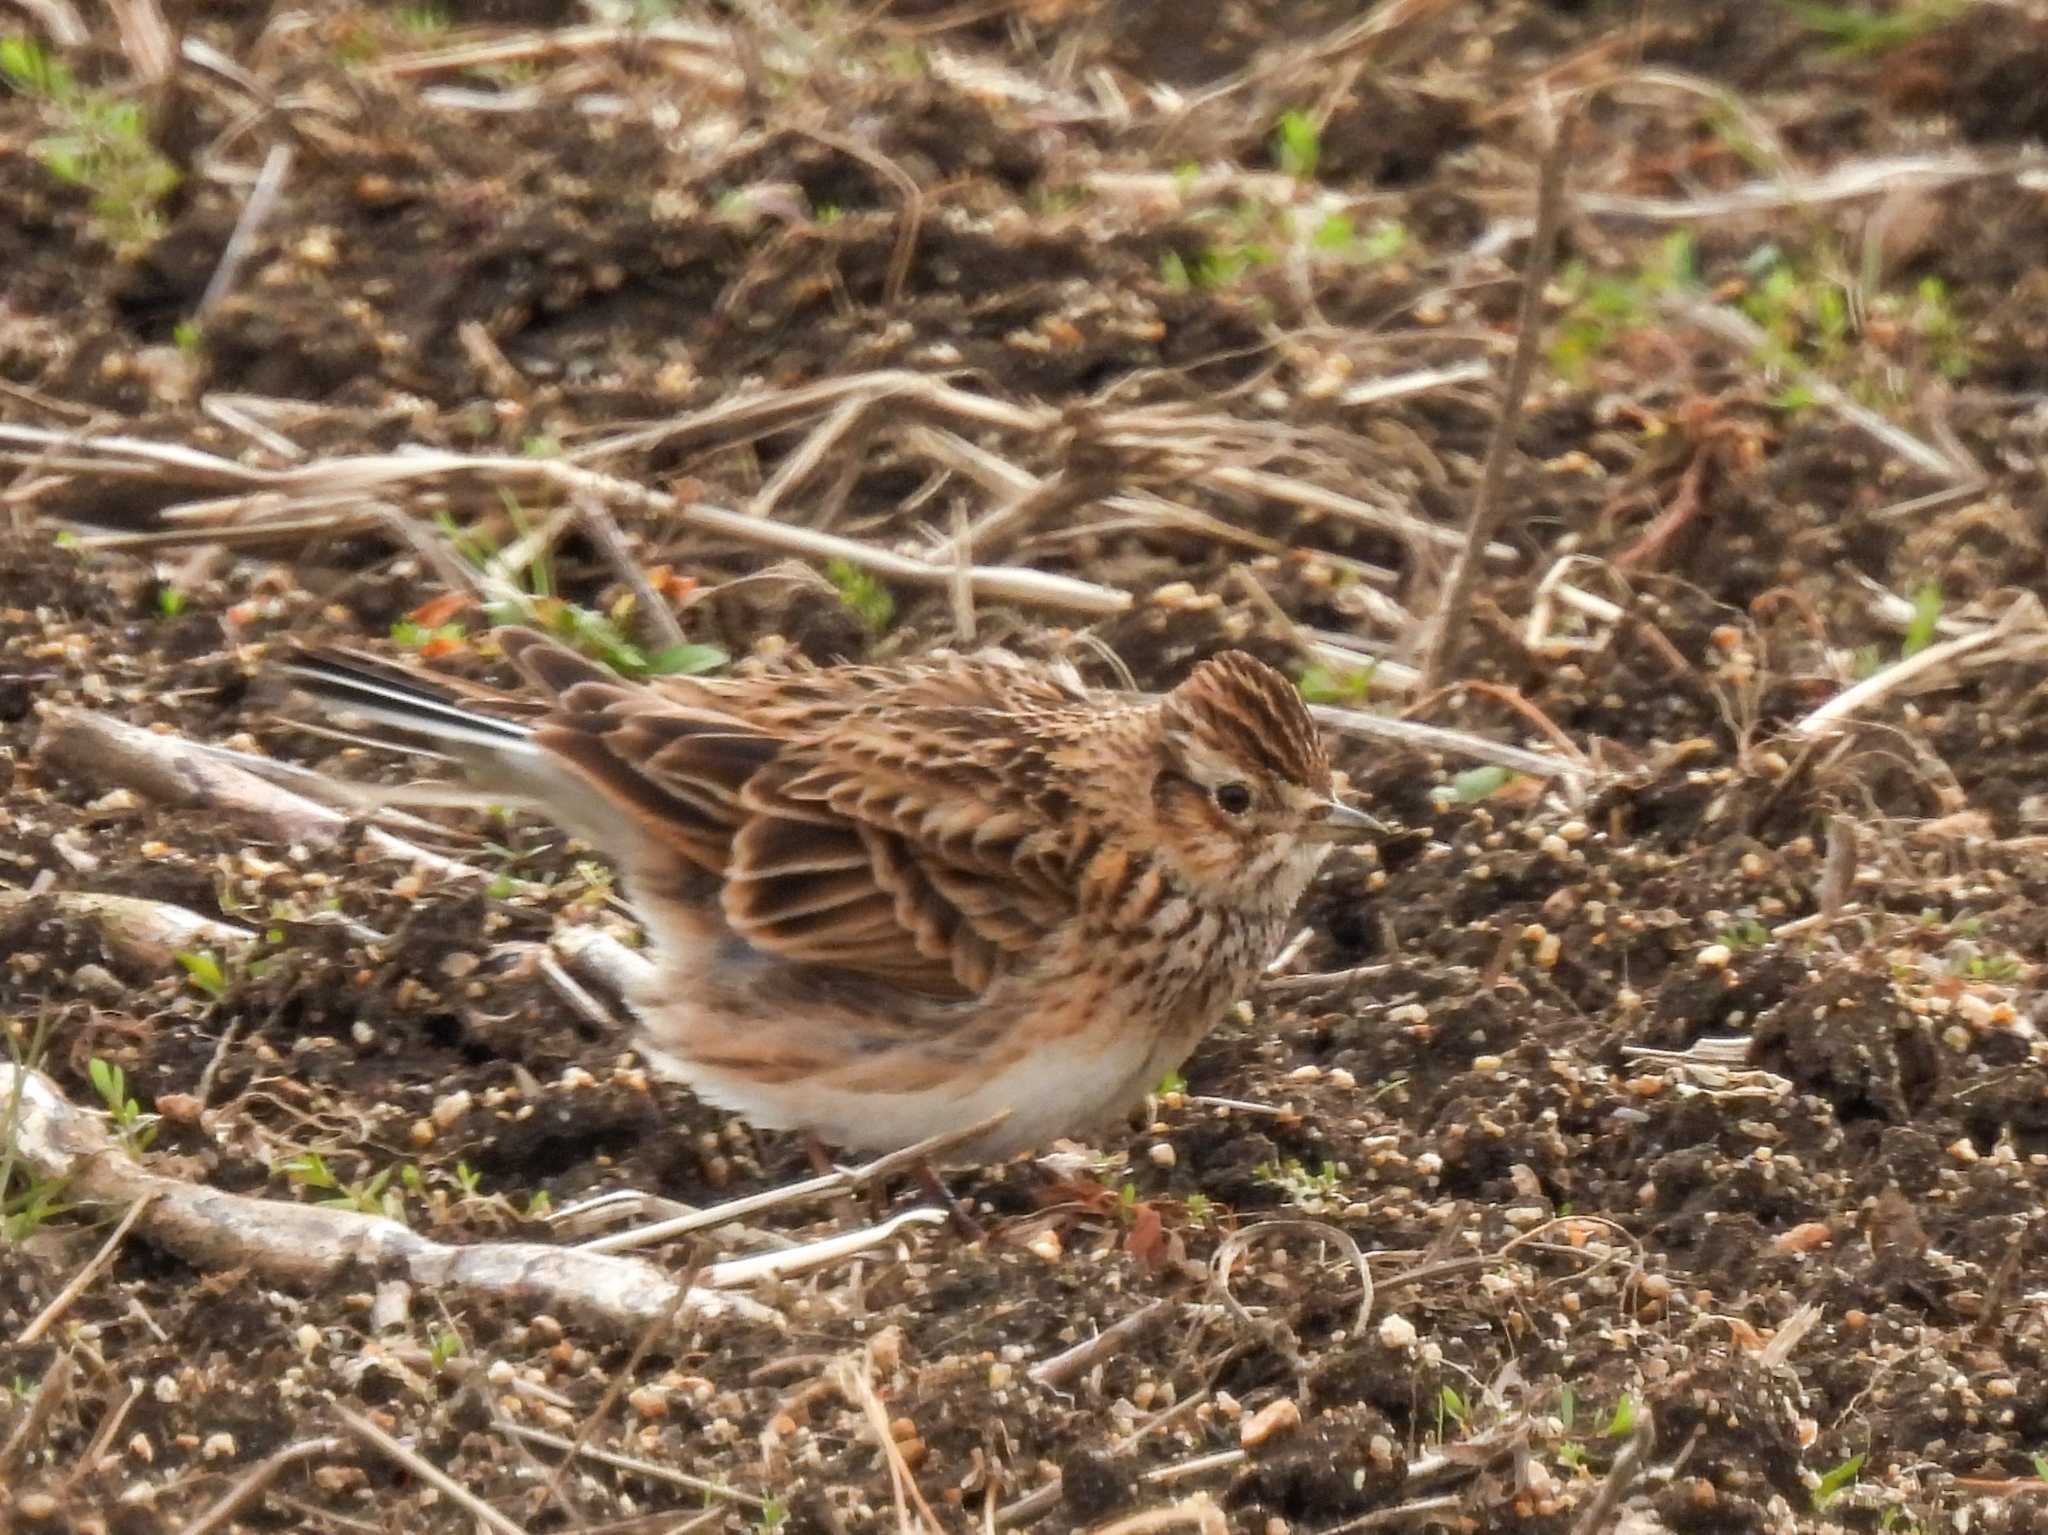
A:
(1340, 823)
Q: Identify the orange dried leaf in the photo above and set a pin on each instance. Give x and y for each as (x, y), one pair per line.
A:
(1147, 1241)
(436, 611)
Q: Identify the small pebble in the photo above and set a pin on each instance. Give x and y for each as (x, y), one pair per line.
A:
(1278, 1417)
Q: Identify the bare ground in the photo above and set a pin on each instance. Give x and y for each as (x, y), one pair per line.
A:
(1800, 1271)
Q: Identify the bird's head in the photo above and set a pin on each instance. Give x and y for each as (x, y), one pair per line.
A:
(1241, 789)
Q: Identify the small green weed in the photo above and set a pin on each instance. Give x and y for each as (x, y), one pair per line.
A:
(25, 1209)
(1312, 1191)
(202, 968)
(422, 636)
(1213, 268)
(865, 597)
(1622, 1421)
(1451, 1411)
(1297, 145)
(99, 142)
(1808, 323)
(1339, 235)
(1926, 620)
(1835, 1481)
(1475, 784)
(1746, 934)
(1336, 685)
(367, 1196)
(135, 1128)
(1996, 966)
(422, 21)
(1573, 1450)
(25, 1203)
(1604, 308)
(1851, 31)
(446, 1345)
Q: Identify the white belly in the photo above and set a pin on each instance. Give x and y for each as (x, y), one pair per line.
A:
(1066, 1087)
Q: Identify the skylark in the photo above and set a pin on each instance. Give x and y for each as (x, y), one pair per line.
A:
(888, 901)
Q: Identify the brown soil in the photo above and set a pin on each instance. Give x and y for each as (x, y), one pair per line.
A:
(1569, 1240)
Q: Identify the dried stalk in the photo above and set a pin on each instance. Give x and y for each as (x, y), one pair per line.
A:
(261, 1475)
(652, 1470)
(1459, 743)
(391, 1449)
(1742, 332)
(2024, 625)
(1064, 1366)
(148, 934)
(811, 1188)
(1628, 1465)
(312, 1247)
(61, 1302)
(42, 1407)
(1489, 506)
(173, 771)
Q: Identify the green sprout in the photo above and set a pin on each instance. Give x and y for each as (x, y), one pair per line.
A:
(1926, 619)
(99, 142)
(1297, 145)
(1835, 1481)
(1336, 685)
(865, 597)
(135, 1128)
(203, 970)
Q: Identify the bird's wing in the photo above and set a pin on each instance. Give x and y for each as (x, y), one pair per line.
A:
(905, 824)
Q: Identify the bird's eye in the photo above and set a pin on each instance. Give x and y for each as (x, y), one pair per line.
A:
(1233, 798)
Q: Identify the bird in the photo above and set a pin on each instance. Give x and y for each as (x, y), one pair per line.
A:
(887, 902)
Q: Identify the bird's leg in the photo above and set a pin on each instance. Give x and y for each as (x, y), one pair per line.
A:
(964, 1222)
(820, 1158)
(927, 1178)
(845, 1201)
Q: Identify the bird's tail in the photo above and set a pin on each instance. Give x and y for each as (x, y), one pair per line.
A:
(420, 716)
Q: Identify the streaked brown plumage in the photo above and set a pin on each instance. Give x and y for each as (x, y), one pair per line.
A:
(887, 901)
